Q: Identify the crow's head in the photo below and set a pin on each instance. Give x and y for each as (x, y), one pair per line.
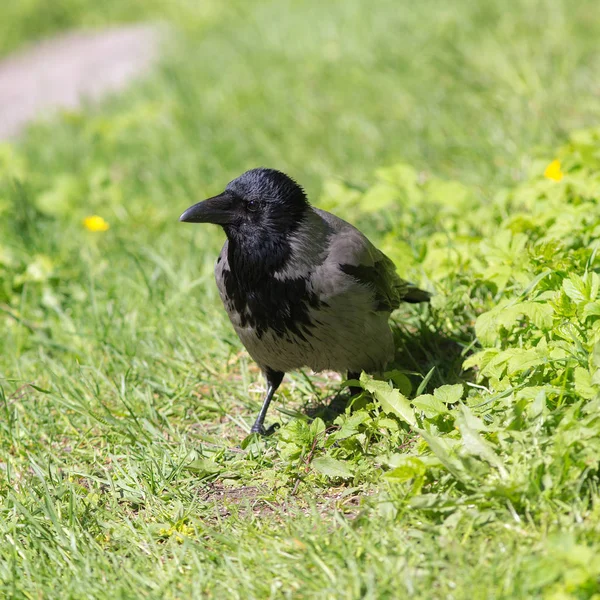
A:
(260, 204)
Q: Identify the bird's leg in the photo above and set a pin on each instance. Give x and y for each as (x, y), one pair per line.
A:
(273, 381)
(354, 391)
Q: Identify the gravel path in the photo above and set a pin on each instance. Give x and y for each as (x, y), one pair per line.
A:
(61, 72)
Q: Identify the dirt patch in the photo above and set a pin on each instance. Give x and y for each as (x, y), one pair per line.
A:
(250, 500)
(65, 71)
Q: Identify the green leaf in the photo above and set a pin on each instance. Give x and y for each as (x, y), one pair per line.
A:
(449, 394)
(513, 360)
(391, 400)
(430, 405)
(475, 444)
(593, 285)
(331, 467)
(39, 389)
(410, 467)
(203, 467)
(591, 309)
(583, 384)
(595, 358)
(440, 447)
(521, 360)
(575, 288)
(480, 359)
(506, 315)
(349, 424)
(400, 381)
(538, 405)
(540, 313)
(425, 381)
(317, 427)
(485, 328)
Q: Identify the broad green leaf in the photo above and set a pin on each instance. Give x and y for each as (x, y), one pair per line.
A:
(538, 406)
(430, 405)
(391, 400)
(575, 288)
(331, 467)
(540, 313)
(472, 421)
(513, 360)
(485, 328)
(521, 360)
(449, 394)
(317, 427)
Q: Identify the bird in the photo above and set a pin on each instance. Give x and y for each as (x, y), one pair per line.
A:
(301, 287)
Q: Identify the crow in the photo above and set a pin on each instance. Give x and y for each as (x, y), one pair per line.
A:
(302, 287)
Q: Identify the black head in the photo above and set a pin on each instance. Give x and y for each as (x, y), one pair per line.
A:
(259, 204)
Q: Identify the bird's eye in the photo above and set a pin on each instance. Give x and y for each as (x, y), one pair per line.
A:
(252, 205)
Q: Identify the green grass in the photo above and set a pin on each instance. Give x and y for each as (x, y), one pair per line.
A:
(125, 393)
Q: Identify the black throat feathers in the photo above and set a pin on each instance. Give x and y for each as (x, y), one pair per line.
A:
(264, 301)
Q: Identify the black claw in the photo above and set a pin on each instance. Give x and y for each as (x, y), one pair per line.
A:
(272, 429)
(265, 432)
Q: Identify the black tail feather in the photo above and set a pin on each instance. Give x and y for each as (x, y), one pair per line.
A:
(415, 295)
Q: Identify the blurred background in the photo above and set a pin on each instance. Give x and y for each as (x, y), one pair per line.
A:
(468, 89)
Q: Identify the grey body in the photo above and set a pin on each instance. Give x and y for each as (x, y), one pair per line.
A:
(302, 288)
(351, 331)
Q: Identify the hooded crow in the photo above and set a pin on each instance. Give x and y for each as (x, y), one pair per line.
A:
(302, 287)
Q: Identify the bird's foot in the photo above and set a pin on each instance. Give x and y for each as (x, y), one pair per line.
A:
(260, 429)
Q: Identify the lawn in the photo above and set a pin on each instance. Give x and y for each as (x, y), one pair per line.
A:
(126, 470)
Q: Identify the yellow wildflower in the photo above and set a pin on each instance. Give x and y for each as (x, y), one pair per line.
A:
(95, 223)
(553, 171)
(179, 531)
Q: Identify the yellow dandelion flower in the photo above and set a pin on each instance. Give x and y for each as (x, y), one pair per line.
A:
(553, 171)
(95, 223)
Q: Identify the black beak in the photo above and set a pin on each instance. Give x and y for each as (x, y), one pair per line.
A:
(218, 210)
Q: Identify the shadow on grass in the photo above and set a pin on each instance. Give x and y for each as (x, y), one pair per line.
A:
(420, 350)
